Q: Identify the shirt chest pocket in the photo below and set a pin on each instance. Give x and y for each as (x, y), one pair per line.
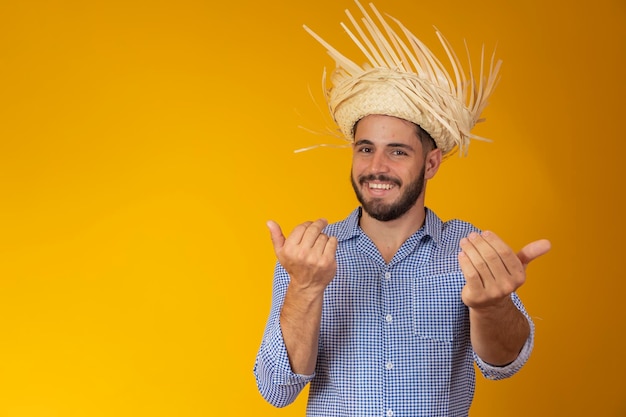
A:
(438, 311)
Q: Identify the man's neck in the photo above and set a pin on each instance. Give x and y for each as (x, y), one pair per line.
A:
(389, 236)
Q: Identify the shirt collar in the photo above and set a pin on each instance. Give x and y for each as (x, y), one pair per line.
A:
(349, 227)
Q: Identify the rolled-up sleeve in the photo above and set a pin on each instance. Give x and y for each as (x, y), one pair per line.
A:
(276, 382)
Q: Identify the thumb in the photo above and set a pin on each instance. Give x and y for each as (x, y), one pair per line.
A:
(533, 250)
(278, 239)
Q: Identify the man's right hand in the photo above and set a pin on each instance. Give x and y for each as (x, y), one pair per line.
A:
(308, 255)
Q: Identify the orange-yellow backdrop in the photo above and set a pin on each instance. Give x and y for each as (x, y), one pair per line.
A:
(143, 145)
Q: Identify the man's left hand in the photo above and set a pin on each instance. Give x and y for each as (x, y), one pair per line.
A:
(492, 269)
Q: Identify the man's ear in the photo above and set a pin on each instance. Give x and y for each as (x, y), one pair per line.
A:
(431, 163)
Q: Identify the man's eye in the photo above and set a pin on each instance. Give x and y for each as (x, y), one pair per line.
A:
(366, 150)
(399, 152)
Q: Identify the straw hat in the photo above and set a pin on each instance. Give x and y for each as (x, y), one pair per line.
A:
(403, 78)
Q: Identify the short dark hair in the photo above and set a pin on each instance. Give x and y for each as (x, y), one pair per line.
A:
(428, 143)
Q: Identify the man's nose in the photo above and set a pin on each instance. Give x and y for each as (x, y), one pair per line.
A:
(379, 162)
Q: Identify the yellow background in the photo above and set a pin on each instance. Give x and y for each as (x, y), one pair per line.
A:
(143, 145)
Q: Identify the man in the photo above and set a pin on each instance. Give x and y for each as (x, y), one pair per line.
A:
(385, 313)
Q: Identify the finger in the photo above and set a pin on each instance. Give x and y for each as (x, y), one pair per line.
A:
(507, 257)
(326, 246)
(331, 246)
(472, 277)
(312, 232)
(276, 234)
(533, 250)
(482, 256)
(320, 244)
(296, 234)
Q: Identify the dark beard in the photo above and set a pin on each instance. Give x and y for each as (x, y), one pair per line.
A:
(387, 212)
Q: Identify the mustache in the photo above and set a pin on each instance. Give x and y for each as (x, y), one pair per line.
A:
(368, 178)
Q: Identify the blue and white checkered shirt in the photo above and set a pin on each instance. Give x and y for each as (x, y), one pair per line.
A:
(394, 336)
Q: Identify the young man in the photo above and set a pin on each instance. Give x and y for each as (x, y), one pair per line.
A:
(385, 313)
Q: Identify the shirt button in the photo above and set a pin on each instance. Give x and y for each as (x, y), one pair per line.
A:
(389, 413)
(388, 318)
(387, 275)
(389, 365)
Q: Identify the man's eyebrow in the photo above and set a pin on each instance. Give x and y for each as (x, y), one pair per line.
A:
(400, 145)
(388, 145)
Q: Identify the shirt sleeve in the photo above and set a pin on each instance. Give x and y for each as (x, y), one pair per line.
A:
(501, 372)
(276, 382)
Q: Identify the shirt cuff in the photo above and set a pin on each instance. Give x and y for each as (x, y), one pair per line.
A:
(283, 375)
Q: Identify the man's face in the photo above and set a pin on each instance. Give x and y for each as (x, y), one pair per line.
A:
(388, 167)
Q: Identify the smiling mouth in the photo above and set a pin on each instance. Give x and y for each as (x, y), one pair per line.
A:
(379, 186)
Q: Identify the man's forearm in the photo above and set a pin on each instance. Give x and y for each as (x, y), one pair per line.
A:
(300, 321)
(498, 333)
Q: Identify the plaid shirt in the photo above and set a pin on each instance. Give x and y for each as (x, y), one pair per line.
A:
(394, 336)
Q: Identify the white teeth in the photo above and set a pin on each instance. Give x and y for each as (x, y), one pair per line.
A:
(381, 186)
